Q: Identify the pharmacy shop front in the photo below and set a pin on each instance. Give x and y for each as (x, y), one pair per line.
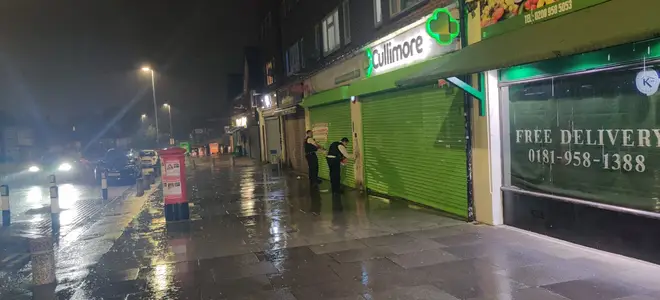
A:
(581, 148)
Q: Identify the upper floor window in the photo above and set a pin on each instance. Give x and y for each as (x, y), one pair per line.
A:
(266, 25)
(302, 53)
(330, 31)
(346, 12)
(317, 42)
(397, 6)
(270, 77)
(262, 31)
(378, 12)
(293, 59)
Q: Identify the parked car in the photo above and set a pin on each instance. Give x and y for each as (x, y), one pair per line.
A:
(150, 159)
(119, 167)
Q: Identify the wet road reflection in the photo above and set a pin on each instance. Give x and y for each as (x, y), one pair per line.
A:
(77, 243)
(258, 234)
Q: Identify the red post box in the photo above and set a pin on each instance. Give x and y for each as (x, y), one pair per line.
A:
(173, 169)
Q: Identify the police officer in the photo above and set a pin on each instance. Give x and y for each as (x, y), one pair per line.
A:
(311, 146)
(336, 154)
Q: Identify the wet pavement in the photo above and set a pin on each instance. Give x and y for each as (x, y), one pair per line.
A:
(258, 234)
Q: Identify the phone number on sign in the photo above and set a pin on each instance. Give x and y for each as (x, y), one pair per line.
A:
(548, 11)
(614, 162)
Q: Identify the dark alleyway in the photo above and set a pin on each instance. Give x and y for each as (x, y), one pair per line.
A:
(257, 235)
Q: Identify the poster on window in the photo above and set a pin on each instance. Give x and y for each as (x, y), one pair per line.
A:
(594, 136)
(320, 131)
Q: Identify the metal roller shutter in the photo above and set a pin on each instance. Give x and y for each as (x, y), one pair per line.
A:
(414, 147)
(294, 129)
(273, 138)
(254, 142)
(338, 118)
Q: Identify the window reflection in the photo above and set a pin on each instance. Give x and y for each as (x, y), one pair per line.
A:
(589, 136)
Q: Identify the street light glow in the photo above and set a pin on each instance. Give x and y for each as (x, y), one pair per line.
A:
(143, 116)
(166, 105)
(153, 91)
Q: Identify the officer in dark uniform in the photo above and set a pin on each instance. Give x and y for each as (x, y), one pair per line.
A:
(311, 146)
(336, 154)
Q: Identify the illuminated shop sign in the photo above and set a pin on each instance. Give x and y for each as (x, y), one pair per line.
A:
(432, 36)
(241, 122)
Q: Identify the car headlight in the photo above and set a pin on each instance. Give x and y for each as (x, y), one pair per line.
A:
(65, 167)
(34, 169)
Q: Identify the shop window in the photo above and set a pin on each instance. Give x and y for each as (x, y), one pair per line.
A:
(398, 6)
(330, 25)
(590, 136)
(378, 12)
(346, 16)
(270, 77)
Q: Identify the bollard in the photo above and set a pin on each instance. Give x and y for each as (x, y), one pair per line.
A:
(6, 212)
(233, 162)
(151, 179)
(146, 181)
(43, 260)
(54, 202)
(104, 185)
(139, 188)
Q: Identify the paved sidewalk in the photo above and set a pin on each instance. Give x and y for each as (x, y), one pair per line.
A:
(257, 235)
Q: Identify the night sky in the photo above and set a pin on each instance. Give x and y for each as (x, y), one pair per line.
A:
(63, 58)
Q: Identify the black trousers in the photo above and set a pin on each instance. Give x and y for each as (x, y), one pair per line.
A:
(313, 165)
(334, 164)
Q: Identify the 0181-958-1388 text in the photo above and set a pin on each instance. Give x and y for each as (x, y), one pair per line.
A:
(626, 140)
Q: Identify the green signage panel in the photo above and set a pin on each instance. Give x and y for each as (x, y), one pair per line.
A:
(185, 145)
(594, 136)
(500, 16)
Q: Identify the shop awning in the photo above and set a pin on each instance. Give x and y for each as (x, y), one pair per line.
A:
(604, 25)
(286, 111)
(326, 97)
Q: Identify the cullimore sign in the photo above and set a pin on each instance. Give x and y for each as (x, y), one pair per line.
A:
(431, 36)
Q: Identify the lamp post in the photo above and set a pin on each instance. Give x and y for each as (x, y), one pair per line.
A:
(153, 89)
(169, 111)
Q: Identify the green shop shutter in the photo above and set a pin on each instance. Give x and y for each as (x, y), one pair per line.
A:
(414, 146)
(338, 118)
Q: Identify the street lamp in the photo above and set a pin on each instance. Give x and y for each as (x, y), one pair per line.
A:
(143, 117)
(153, 89)
(169, 110)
